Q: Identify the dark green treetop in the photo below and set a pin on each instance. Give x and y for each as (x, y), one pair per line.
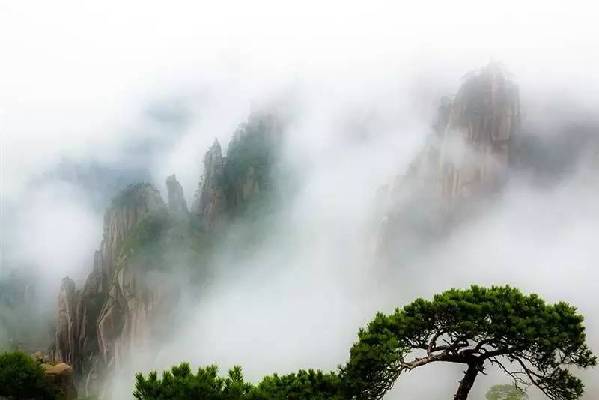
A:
(531, 341)
(303, 385)
(21, 377)
(181, 384)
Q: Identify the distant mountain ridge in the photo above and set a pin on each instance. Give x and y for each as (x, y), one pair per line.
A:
(120, 305)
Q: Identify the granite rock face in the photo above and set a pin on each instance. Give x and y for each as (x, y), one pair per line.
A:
(128, 297)
(464, 162)
(67, 323)
(469, 152)
(61, 377)
(475, 143)
(90, 318)
(210, 201)
(233, 183)
(251, 157)
(177, 206)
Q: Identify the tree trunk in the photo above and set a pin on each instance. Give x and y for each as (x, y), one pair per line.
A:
(467, 382)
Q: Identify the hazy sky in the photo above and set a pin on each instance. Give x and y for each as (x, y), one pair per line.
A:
(76, 76)
(125, 83)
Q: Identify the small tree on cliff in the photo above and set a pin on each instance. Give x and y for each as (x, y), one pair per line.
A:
(531, 341)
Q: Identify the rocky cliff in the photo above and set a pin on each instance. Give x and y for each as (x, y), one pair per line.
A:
(127, 298)
(60, 376)
(177, 206)
(243, 179)
(464, 161)
(210, 201)
(111, 302)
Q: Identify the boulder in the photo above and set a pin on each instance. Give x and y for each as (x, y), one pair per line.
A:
(61, 377)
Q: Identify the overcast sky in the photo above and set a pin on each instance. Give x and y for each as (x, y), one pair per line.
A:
(76, 76)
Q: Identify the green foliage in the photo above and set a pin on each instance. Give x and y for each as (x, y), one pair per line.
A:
(506, 392)
(21, 377)
(520, 334)
(181, 384)
(305, 385)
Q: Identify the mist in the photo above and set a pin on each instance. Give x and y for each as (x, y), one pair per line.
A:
(95, 96)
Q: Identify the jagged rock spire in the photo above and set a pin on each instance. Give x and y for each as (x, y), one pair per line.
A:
(177, 206)
(484, 117)
(470, 149)
(80, 337)
(464, 161)
(210, 199)
(67, 324)
(120, 302)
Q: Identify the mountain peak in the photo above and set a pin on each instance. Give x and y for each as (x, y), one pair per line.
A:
(176, 200)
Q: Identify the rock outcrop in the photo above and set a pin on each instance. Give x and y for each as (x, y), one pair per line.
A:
(128, 297)
(475, 143)
(210, 200)
(61, 377)
(177, 206)
(244, 177)
(469, 152)
(251, 156)
(91, 318)
(464, 161)
(67, 324)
